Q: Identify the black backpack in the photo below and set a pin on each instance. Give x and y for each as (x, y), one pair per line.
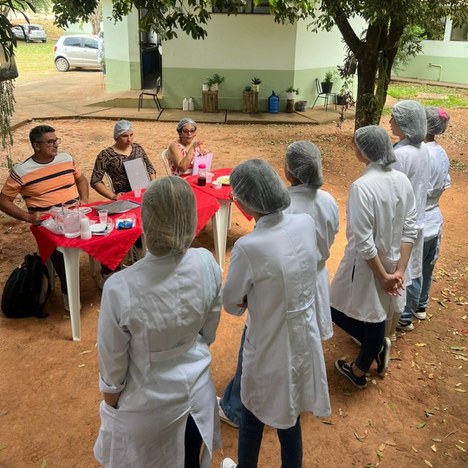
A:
(27, 289)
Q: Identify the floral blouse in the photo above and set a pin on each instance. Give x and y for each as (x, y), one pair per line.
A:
(189, 170)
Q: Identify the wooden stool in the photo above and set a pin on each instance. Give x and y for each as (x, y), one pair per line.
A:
(250, 102)
(210, 101)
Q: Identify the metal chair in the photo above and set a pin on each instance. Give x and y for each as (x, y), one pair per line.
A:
(164, 160)
(322, 95)
(153, 93)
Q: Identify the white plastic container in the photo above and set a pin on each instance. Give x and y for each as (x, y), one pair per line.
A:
(85, 229)
(185, 104)
(191, 104)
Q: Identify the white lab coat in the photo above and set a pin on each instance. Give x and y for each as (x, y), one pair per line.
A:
(157, 319)
(413, 161)
(438, 182)
(324, 211)
(381, 215)
(283, 371)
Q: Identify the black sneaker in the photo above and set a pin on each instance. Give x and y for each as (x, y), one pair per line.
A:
(383, 358)
(347, 371)
(404, 326)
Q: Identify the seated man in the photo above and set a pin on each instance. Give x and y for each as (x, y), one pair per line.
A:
(46, 179)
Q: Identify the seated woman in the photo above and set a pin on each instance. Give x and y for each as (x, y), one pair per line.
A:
(111, 161)
(183, 151)
(157, 320)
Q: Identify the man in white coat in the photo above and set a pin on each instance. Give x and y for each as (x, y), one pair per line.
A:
(408, 123)
(158, 318)
(380, 230)
(273, 274)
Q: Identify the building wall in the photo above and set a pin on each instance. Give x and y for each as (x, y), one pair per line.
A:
(245, 46)
(440, 61)
(122, 51)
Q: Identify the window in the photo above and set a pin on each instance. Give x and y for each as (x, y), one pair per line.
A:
(249, 7)
(459, 33)
(72, 42)
(90, 43)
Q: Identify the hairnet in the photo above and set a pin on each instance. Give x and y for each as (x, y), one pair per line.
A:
(185, 121)
(304, 163)
(258, 187)
(375, 145)
(437, 120)
(411, 118)
(121, 126)
(169, 216)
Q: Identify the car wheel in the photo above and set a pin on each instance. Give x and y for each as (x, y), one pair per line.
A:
(27, 39)
(62, 64)
(44, 40)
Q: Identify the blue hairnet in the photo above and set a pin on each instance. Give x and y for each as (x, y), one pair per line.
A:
(375, 145)
(437, 120)
(411, 118)
(121, 126)
(256, 184)
(304, 163)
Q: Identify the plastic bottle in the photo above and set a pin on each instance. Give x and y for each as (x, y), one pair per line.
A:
(185, 104)
(273, 103)
(201, 175)
(191, 104)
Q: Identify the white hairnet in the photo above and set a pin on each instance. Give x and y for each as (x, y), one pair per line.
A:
(437, 120)
(375, 145)
(258, 187)
(185, 121)
(411, 118)
(121, 126)
(304, 163)
(169, 216)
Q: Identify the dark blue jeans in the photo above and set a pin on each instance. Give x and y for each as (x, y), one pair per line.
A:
(250, 439)
(231, 401)
(430, 256)
(371, 336)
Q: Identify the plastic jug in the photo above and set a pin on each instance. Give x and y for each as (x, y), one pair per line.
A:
(201, 175)
(191, 104)
(273, 103)
(185, 104)
(71, 224)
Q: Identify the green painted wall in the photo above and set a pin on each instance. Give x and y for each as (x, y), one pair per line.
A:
(440, 61)
(122, 51)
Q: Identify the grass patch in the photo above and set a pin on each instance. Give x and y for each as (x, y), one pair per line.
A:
(429, 95)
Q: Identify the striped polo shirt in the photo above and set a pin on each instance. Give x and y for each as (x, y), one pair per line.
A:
(44, 185)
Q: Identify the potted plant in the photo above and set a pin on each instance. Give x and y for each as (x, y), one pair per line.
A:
(215, 81)
(327, 83)
(344, 96)
(256, 84)
(248, 89)
(206, 85)
(290, 92)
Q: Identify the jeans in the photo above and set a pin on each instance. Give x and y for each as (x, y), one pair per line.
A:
(430, 256)
(371, 335)
(231, 401)
(193, 443)
(413, 291)
(250, 439)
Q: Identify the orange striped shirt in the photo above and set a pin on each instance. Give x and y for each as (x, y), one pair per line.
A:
(43, 186)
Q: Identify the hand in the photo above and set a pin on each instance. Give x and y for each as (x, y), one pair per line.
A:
(35, 218)
(392, 284)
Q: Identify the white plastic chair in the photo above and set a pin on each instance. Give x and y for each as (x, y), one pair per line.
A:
(165, 162)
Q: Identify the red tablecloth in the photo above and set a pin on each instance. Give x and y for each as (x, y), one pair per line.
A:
(111, 249)
(220, 194)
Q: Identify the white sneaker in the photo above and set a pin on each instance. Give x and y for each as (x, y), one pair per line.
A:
(420, 314)
(228, 463)
(224, 418)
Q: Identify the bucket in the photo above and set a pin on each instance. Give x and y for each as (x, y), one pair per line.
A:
(273, 103)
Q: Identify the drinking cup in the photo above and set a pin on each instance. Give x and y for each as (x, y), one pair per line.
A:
(209, 177)
(103, 216)
(137, 192)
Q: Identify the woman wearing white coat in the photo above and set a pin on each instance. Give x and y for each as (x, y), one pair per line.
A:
(303, 169)
(381, 230)
(273, 273)
(157, 320)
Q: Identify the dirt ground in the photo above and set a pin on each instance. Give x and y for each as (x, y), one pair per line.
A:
(416, 416)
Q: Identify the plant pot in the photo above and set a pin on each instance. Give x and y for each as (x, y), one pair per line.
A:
(205, 87)
(255, 88)
(300, 106)
(289, 96)
(8, 68)
(340, 100)
(327, 87)
(214, 87)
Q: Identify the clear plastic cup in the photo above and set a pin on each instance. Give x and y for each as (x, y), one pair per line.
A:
(103, 216)
(209, 177)
(137, 192)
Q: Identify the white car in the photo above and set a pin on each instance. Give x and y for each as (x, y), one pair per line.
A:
(30, 32)
(77, 51)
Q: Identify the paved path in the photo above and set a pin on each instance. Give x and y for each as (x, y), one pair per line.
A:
(82, 94)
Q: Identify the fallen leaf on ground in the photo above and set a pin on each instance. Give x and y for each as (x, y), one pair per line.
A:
(358, 437)
(428, 463)
(420, 345)
(459, 447)
(420, 425)
(330, 423)
(390, 442)
(86, 352)
(434, 448)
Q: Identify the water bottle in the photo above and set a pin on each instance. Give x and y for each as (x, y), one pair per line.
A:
(201, 175)
(185, 104)
(273, 103)
(191, 104)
